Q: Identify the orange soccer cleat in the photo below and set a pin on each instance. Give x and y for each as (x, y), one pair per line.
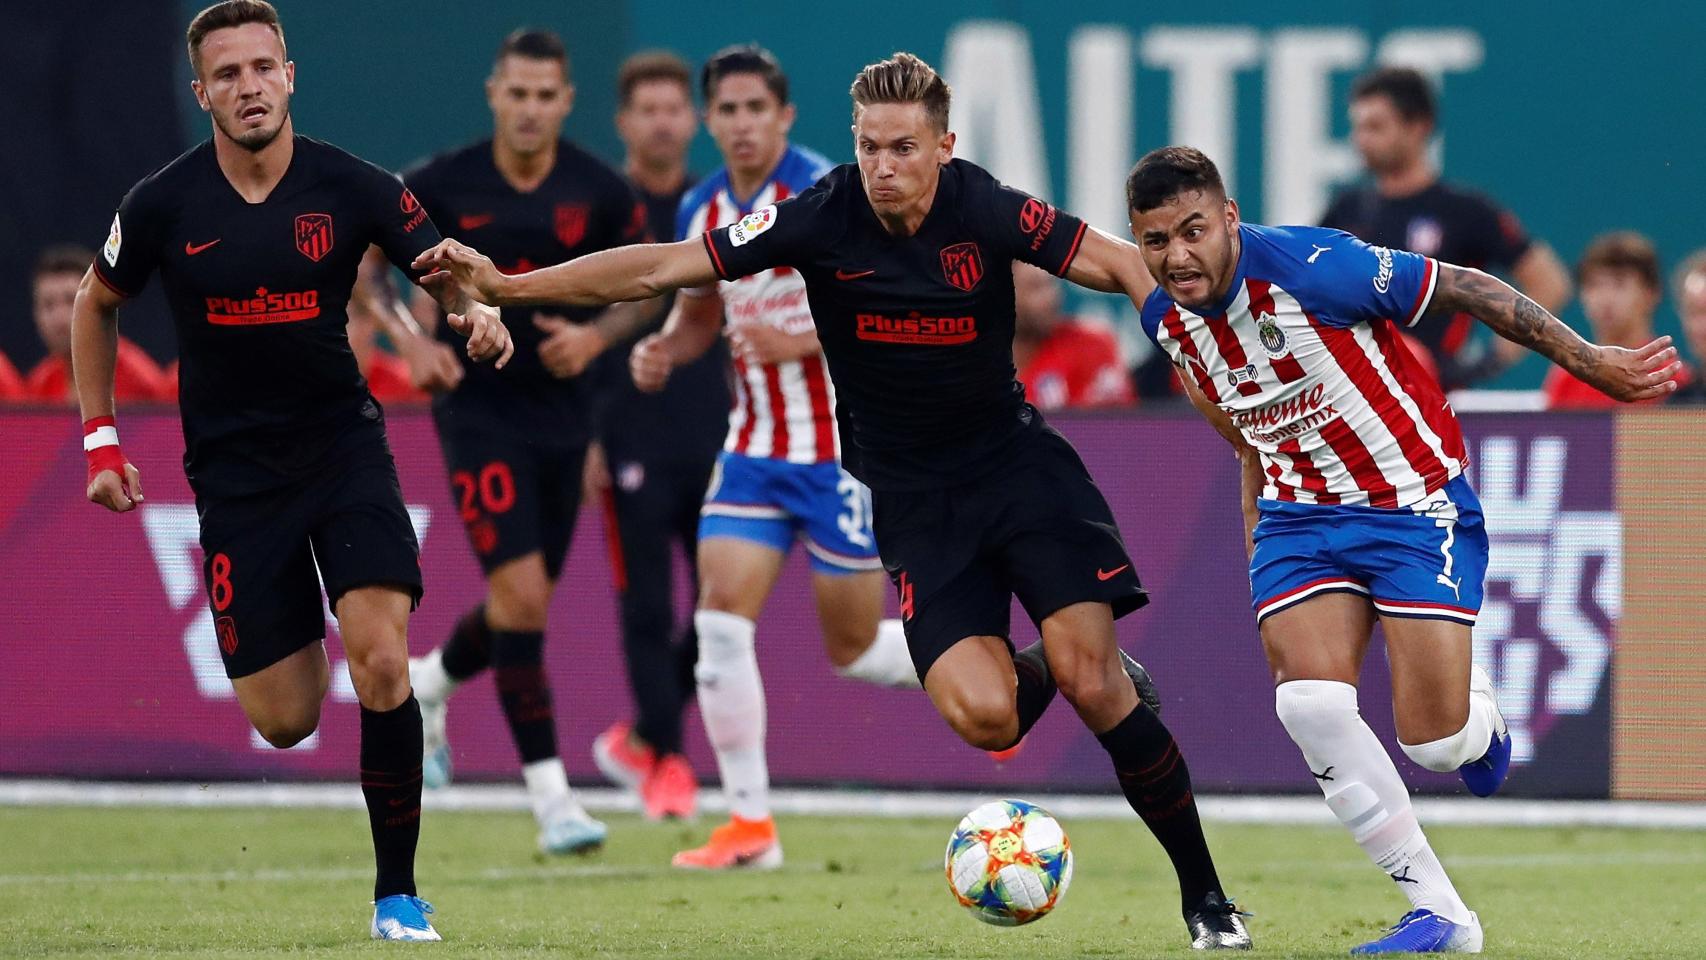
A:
(620, 756)
(1002, 756)
(670, 789)
(752, 844)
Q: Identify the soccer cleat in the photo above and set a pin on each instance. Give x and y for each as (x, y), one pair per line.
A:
(402, 917)
(670, 789)
(1216, 923)
(1002, 756)
(621, 762)
(1484, 775)
(751, 844)
(435, 742)
(1140, 679)
(572, 831)
(1423, 931)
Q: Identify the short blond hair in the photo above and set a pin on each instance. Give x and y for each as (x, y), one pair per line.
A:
(904, 78)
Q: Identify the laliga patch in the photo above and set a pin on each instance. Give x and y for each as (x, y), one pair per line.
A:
(115, 239)
(751, 225)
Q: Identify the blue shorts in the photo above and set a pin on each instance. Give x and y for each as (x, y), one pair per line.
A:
(1424, 561)
(774, 503)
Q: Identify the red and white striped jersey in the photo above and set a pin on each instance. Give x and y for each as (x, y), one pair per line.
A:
(1303, 353)
(782, 411)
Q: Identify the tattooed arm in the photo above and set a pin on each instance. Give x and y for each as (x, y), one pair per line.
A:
(1624, 374)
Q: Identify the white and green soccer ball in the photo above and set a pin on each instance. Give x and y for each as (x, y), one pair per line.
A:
(1009, 862)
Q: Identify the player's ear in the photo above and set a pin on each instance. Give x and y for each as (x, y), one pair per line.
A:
(290, 76)
(1232, 216)
(788, 115)
(945, 149)
(200, 96)
(568, 99)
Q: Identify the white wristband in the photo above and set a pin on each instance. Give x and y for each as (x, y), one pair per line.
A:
(100, 437)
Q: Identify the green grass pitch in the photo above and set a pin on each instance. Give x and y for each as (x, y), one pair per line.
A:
(150, 882)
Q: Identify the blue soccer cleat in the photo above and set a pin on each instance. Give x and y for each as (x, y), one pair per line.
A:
(434, 701)
(572, 831)
(403, 917)
(1423, 931)
(1484, 775)
(435, 767)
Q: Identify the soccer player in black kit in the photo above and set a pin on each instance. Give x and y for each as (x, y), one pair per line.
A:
(660, 449)
(257, 235)
(907, 261)
(515, 440)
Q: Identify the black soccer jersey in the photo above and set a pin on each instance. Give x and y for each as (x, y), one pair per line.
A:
(267, 383)
(582, 206)
(685, 422)
(918, 330)
(1444, 222)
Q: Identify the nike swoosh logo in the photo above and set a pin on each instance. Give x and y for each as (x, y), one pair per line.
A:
(192, 248)
(852, 274)
(475, 222)
(1105, 575)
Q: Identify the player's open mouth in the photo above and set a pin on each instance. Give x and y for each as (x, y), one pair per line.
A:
(252, 113)
(1184, 278)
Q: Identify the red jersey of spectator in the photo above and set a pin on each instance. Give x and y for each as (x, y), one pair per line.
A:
(1078, 366)
(388, 379)
(136, 377)
(1564, 392)
(11, 385)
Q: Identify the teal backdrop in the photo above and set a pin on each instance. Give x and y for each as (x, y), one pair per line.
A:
(1579, 117)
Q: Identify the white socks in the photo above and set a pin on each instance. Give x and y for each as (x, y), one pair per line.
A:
(427, 677)
(1364, 791)
(548, 790)
(731, 701)
(1470, 743)
(886, 662)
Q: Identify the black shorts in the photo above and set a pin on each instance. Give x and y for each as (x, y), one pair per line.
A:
(515, 496)
(1037, 528)
(261, 550)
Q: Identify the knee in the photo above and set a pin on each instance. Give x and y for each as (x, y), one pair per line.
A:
(845, 643)
(287, 731)
(1310, 709)
(518, 605)
(722, 596)
(985, 722)
(1086, 676)
(380, 674)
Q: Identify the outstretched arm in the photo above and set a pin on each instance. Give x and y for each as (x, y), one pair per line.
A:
(1249, 460)
(1111, 265)
(636, 272)
(1628, 375)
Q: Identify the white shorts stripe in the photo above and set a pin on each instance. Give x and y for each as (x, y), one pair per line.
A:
(745, 511)
(840, 559)
(1426, 611)
(1292, 599)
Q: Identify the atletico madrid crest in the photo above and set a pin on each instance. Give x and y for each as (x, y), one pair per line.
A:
(569, 222)
(314, 235)
(962, 265)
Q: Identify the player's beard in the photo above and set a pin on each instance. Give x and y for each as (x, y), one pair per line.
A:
(259, 138)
